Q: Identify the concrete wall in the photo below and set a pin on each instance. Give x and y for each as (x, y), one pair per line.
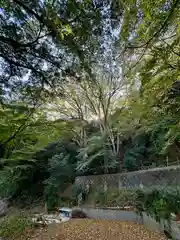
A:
(151, 224)
(108, 214)
(166, 176)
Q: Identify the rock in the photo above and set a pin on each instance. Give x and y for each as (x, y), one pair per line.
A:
(3, 208)
(78, 213)
(46, 219)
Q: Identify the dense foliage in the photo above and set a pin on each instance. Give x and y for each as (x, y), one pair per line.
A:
(159, 203)
(87, 87)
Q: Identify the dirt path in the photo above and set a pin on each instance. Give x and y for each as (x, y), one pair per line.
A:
(88, 229)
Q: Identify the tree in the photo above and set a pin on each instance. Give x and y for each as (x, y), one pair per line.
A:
(97, 156)
(22, 127)
(145, 25)
(14, 120)
(42, 41)
(25, 140)
(91, 102)
(106, 76)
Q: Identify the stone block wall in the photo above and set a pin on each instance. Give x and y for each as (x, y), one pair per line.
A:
(163, 177)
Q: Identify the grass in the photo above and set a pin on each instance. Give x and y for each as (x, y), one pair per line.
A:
(16, 227)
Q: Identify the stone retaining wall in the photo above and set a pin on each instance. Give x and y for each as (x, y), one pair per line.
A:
(165, 176)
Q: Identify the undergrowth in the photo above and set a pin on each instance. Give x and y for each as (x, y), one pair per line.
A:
(112, 197)
(159, 203)
(16, 227)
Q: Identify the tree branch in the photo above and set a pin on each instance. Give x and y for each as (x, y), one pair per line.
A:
(176, 2)
(12, 62)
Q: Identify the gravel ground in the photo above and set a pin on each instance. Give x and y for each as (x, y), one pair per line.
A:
(89, 229)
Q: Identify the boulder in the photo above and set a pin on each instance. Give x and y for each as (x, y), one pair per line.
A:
(3, 208)
(78, 213)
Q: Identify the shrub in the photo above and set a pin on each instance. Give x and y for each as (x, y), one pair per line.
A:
(16, 227)
(126, 197)
(52, 198)
(67, 202)
(159, 203)
(76, 190)
(61, 174)
(113, 197)
(97, 197)
(8, 184)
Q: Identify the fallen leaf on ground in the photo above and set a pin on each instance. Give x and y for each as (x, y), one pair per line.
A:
(90, 229)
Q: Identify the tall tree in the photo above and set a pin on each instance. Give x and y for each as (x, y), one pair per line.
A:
(40, 40)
